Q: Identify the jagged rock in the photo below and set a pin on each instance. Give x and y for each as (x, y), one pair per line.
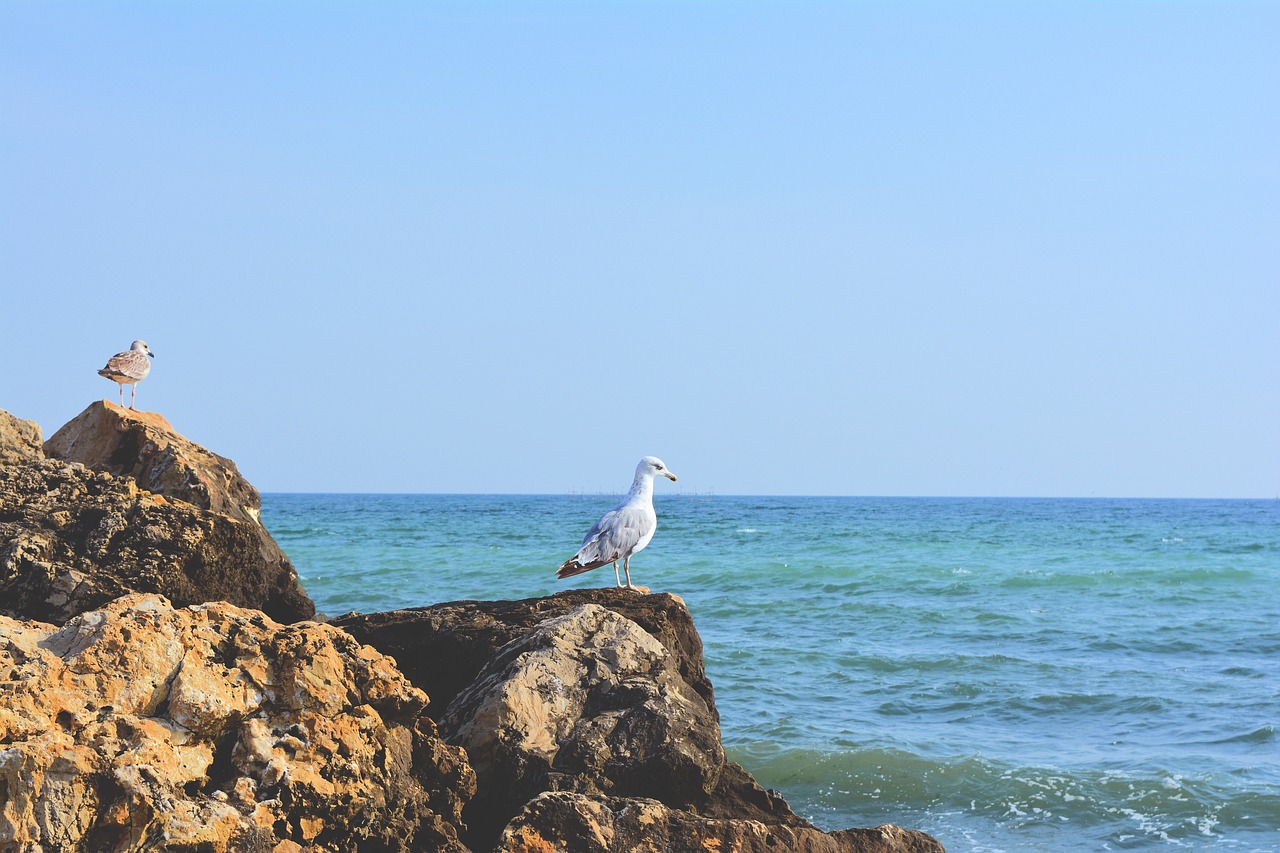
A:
(19, 440)
(141, 727)
(443, 648)
(146, 447)
(584, 824)
(557, 694)
(72, 539)
(588, 701)
(213, 728)
(446, 645)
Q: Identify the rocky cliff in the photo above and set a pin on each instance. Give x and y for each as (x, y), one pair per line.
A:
(152, 698)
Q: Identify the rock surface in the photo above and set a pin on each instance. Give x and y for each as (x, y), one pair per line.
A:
(72, 539)
(19, 440)
(446, 645)
(590, 702)
(600, 694)
(146, 447)
(146, 725)
(143, 727)
(567, 821)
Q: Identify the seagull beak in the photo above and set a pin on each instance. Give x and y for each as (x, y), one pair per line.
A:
(669, 476)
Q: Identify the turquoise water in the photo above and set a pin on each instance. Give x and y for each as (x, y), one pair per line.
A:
(1008, 675)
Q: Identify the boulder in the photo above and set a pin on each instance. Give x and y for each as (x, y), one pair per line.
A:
(19, 440)
(145, 727)
(146, 447)
(446, 645)
(72, 539)
(588, 701)
(568, 821)
(598, 693)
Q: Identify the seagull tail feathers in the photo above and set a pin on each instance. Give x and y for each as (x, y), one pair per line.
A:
(572, 567)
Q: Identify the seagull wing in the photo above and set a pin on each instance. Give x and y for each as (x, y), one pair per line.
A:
(127, 365)
(612, 538)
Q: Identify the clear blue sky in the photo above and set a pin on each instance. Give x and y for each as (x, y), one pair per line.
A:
(792, 248)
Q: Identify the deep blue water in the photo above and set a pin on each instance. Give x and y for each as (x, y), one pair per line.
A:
(1006, 674)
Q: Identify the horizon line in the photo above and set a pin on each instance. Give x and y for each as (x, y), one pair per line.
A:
(713, 494)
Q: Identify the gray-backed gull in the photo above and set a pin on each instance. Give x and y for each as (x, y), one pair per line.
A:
(129, 368)
(623, 530)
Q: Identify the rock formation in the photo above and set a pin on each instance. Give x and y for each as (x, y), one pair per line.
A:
(146, 447)
(588, 702)
(144, 727)
(566, 821)
(600, 696)
(583, 721)
(72, 539)
(19, 440)
(446, 645)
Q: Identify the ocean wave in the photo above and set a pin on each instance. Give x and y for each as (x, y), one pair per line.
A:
(1257, 737)
(1125, 806)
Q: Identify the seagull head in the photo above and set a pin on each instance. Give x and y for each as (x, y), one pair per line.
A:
(141, 346)
(654, 466)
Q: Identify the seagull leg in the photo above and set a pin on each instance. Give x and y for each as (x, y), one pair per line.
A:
(133, 398)
(122, 396)
(616, 577)
(626, 567)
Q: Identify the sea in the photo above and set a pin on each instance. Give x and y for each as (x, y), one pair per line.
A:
(1013, 675)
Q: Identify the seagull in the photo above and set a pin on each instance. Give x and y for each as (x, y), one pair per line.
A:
(623, 530)
(129, 368)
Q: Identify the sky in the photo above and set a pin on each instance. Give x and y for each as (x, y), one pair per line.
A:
(861, 248)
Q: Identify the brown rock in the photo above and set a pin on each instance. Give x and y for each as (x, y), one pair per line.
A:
(146, 447)
(443, 647)
(19, 440)
(72, 539)
(584, 824)
(142, 727)
(588, 701)
(565, 693)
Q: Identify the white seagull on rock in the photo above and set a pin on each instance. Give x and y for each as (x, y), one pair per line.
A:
(129, 368)
(623, 530)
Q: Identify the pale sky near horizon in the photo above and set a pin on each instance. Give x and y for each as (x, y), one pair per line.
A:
(855, 248)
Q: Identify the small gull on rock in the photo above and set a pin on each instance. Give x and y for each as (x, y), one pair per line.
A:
(129, 368)
(623, 530)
